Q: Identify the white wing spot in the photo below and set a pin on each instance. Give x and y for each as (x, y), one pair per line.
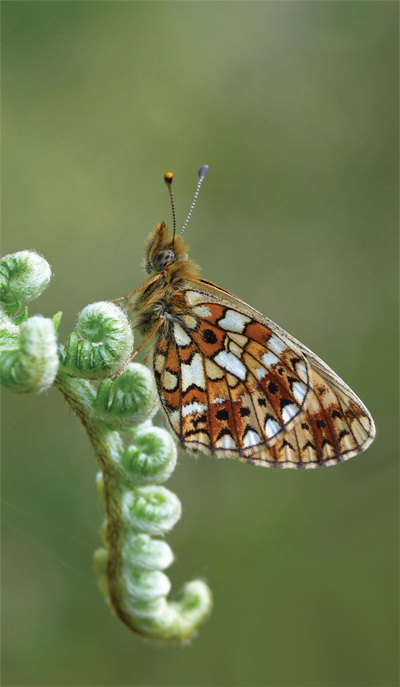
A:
(261, 373)
(231, 363)
(234, 321)
(192, 408)
(289, 411)
(193, 373)
(269, 359)
(181, 338)
(226, 442)
(271, 428)
(251, 439)
(219, 400)
(299, 391)
(202, 310)
(276, 344)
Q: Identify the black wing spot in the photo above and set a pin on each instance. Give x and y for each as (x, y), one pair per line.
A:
(223, 432)
(325, 442)
(222, 414)
(209, 336)
(272, 388)
(321, 423)
(309, 444)
(194, 432)
(335, 413)
(247, 429)
(200, 420)
(286, 443)
(304, 425)
(190, 388)
(244, 412)
(285, 402)
(343, 434)
(261, 402)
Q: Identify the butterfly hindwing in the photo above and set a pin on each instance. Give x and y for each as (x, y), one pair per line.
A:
(332, 429)
(227, 382)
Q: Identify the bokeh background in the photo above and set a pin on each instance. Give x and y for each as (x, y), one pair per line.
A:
(293, 105)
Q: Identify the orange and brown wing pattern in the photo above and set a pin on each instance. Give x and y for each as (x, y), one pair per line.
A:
(234, 386)
(228, 383)
(332, 429)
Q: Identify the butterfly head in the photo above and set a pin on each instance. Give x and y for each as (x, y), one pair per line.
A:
(163, 249)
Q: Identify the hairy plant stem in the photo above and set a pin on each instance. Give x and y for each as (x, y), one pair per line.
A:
(108, 446)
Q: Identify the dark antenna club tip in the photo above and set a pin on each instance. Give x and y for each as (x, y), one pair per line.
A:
(203, 171)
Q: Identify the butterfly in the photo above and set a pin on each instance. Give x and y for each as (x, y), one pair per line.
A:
(233, 383)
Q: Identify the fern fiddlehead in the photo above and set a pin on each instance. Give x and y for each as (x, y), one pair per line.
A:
(138, 509)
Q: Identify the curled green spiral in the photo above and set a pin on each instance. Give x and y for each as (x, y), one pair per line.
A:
(144, 553)
(151, 457)
(101, 344)
(28, 347)
(32, 364)
(128, 400)
(23, 277)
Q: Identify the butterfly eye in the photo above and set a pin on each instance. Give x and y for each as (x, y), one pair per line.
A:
(162, 258)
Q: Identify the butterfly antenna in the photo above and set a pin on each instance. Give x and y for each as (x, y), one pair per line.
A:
(168, 180)
(202, 173)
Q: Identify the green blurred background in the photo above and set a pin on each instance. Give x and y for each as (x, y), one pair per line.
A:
(293, 105)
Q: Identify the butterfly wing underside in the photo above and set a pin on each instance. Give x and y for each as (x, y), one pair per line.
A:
(234, 384)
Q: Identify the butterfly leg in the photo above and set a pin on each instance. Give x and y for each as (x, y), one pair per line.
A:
(152, 279)
(159, 320)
